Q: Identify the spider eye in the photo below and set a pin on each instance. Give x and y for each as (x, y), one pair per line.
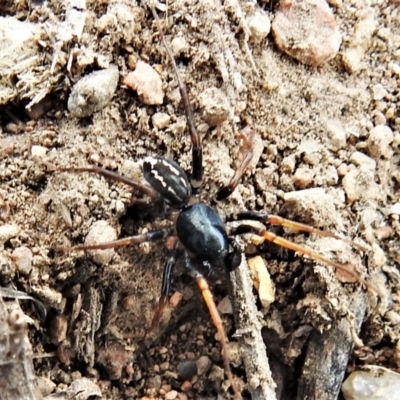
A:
(168, 179)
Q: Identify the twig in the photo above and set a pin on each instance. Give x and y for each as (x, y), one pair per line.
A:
(260, 382)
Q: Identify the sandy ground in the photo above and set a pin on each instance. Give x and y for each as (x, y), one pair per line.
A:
(320, 162)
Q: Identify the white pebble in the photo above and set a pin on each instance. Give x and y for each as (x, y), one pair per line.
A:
(22, 257)
(395, 209)
(379, 140)
(361, 159)
(38, 151)
(8, 231)
(372, 383)
(101, 232)
(160, 120)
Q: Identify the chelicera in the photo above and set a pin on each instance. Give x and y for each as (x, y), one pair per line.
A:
(199, 233)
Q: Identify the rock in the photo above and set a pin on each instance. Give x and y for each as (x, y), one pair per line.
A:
(187, 369)
(160, 120)
(379, 141)
(93, 92)
(303, 177)
(147, 83)
(22, 257)
(215, 106)
(359, 184)
(360, 41)
(378, 92)
(101, 232)
(179, 45)
(171, 395)
(8, 231)
(395, 209)
(336, 135)
(362, 160)
(318, 205)
(259, 25)
(372, 383)
(307, 31)
(38, 151)
(225, 306)
(203, 365)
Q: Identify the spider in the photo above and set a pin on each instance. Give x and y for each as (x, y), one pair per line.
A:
(199, 232)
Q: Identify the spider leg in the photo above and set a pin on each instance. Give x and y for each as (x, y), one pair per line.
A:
(272, 237)
(165, 287)
(216, 318)
(197, 151)
(225, 191)
(150, 236)
(116, 177)
(288, 223)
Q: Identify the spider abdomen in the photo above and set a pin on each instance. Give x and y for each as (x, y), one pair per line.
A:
(202, 232)
(168, 179)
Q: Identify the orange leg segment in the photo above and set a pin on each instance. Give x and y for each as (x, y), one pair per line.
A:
(208, 298)
(287, 223)
(309, 253)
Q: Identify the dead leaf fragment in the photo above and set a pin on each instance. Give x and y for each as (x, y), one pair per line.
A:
(262, 281)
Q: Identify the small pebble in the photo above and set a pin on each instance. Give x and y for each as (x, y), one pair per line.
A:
(360, 184)
(179, 45)
(362, 160)
(303, 177)
(147, 83)
(259, 25)
(379, 92)
(372, 383)
(379, 141)
(215, 106)
(395, 209)
(225, 306)
(336, 135)
(101, 232)
(38, 151)
(22, 256)
(93, 92)
(187, 369)
(307, 31)
(164, 366)
(160, 120)
(171, 395)
(45, 385)
(361, 40)
(186, 386)
(8, 231)
(203, 365)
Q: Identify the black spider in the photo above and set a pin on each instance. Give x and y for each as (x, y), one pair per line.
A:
(199, 229)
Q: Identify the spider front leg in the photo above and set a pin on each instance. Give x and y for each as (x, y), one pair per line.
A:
(196, 178)
(145, 189)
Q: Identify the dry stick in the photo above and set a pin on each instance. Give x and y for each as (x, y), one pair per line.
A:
(260, 383)
(17, 378)
(327, 354)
